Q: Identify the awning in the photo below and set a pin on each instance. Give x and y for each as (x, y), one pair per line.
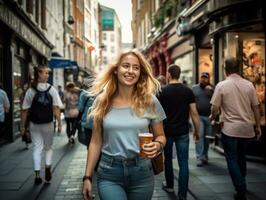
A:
(60, 62)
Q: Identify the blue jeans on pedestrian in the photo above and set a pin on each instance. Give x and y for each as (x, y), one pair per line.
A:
(235, 154)
(121, 179)
(202, 146)
(182, 146)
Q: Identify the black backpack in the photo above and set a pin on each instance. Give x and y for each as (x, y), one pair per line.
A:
(41, 110)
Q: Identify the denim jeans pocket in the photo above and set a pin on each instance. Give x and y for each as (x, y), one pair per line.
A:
(104, 166)
(145, 166)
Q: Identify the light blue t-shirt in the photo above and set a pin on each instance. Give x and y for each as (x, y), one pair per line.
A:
(121, 127)
(4, 103)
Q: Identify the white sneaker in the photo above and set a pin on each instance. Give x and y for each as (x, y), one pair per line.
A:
(166, 188)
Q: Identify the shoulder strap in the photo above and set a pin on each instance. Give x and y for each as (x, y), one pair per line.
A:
(85, 103)
(36, 90)
(48, 89)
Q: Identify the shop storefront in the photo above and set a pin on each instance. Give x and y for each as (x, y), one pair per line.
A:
(229, 28)
(242, 36)
(21, 47)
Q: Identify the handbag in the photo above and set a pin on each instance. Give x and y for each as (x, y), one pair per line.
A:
(26, 137)
(158, 161)
(157, 164)
(83, 136)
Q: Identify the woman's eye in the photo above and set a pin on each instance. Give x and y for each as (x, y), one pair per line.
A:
(136, 68)
(125, 66)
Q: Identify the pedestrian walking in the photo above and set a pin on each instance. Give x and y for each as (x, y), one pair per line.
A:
(4, 108)
(124, 107)
(61, 93)
(41, 103)
(178, 103)
(236, 98)
(71, 110)
(203, 93)
(162, 80)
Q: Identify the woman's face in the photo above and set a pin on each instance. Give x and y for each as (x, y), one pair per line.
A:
(44, 75)
(128, 72)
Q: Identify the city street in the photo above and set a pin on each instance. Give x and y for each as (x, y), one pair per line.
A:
(17, 178)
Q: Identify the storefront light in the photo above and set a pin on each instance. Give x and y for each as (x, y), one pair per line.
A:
(211, 41)
(236, 36)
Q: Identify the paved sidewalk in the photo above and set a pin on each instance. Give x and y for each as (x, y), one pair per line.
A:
(16, 168)
(210, 182)
(71, 186)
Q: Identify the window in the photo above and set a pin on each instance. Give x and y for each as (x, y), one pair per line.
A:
(29, 6)
(112, 37)
(104, 36)
(112, 49)
(250, 49)
(43, 14)
(37, 11)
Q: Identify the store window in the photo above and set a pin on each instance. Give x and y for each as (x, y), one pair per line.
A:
(250, 48)
(184, 62)
(20, 75)
(205, 63)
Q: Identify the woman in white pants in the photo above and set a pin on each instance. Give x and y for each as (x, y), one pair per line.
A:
(41, 103)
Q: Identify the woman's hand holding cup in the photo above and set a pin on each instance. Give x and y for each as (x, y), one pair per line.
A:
(148, 148)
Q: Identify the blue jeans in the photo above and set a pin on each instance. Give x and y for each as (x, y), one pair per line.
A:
(235, 154)
(125, 179)
(202, 146)
(182, 146)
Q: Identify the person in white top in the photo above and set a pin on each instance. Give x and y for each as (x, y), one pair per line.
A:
(4, 108)
(41, 103)
(236, 98)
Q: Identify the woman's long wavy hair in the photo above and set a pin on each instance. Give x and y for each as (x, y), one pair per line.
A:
(106, 85)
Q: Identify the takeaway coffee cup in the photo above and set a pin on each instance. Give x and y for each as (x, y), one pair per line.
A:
(144, 138)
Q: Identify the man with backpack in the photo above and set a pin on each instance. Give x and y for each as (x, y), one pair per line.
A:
(41, 103)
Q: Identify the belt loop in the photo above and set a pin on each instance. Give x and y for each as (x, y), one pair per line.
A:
(112, 160)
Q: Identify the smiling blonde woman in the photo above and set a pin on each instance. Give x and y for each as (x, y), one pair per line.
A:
(125, 106)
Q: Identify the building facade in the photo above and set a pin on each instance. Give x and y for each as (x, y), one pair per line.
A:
(198, 38)
(153, 25)
(91, 34)
(111, 36)
(23, 44)
(55, 34)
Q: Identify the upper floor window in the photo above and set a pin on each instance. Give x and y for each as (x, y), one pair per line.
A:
(104, 36)
(112, 37)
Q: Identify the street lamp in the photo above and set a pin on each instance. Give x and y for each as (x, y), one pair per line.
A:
(70, 20)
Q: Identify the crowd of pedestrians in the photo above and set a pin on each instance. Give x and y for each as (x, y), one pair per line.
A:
(110, 112)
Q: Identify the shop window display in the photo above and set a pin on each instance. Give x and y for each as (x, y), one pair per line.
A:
(254, 69)
(251, 48)
(186, 68)
(205, 63)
